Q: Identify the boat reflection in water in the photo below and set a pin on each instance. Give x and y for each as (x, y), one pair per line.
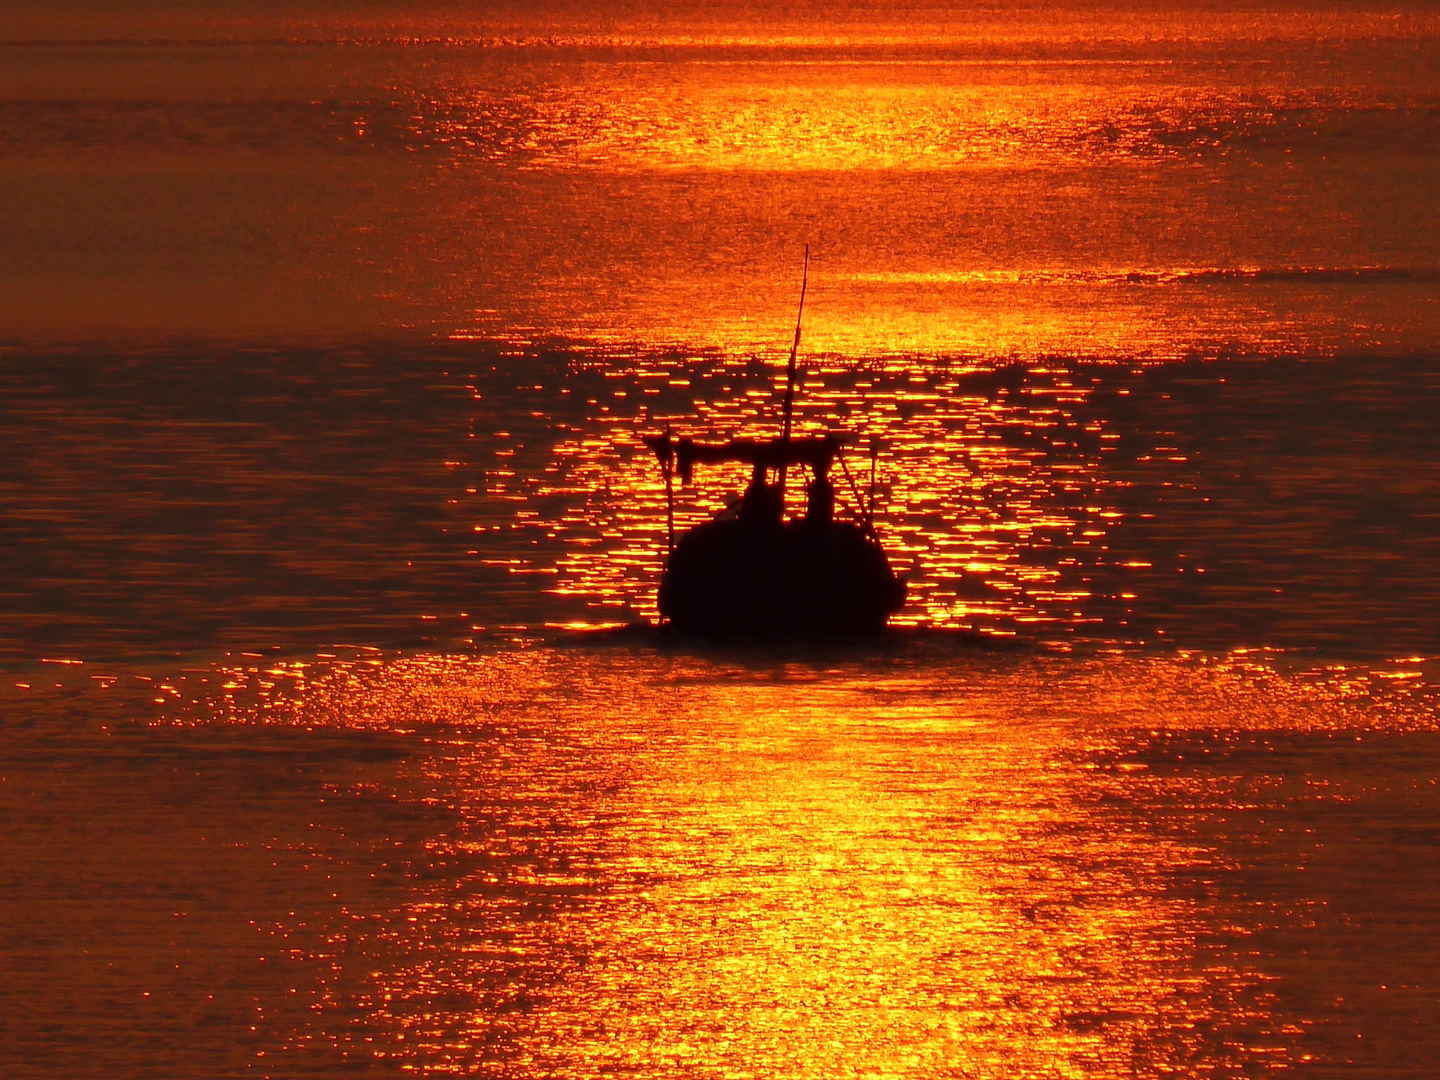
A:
(749, 573)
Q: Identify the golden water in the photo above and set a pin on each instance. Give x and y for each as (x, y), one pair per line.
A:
(324, 326)
(572, 862)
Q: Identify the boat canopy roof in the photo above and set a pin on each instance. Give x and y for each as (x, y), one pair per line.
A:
(816, 451)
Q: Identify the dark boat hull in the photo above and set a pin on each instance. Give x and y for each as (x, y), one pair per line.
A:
(732, 579)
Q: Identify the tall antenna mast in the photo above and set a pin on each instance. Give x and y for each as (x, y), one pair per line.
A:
(790, 371)
(795, 348)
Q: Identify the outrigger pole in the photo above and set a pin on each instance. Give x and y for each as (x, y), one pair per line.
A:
(667, 467)
(870, 498)
(790, 368)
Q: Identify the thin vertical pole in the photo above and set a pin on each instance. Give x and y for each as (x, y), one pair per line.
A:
(870, 495)
(790, 371)
(669, 513)
(669, 471)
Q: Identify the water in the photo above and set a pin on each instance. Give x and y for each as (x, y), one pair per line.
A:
(569, 861)
(330, 339)
(460, 493)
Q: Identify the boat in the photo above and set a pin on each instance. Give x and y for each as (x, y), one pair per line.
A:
(751, 573)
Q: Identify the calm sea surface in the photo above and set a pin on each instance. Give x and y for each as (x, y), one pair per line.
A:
(334, 738)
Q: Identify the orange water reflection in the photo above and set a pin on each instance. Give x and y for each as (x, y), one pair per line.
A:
(570, 860)
(1030, 184)
(896, 864)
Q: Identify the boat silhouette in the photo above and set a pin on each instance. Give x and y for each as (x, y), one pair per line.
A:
(751, 573)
